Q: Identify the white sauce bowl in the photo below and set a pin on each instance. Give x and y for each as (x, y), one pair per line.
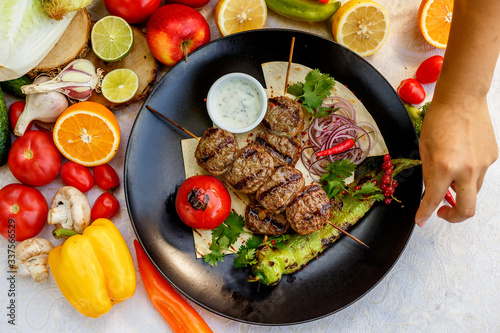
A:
(237, 102)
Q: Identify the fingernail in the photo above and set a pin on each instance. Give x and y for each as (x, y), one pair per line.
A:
(420, 223)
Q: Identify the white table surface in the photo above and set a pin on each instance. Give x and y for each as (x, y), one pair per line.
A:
(446, 280)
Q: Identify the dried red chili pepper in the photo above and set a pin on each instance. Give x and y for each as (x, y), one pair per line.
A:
(339, 148)
(178, 314)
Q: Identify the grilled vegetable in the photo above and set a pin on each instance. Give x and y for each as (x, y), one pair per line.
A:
(272, 263)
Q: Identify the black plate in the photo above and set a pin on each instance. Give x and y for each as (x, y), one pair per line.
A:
(154, 169)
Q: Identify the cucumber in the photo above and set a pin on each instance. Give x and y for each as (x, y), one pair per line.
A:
(4, 131)
(13, 87)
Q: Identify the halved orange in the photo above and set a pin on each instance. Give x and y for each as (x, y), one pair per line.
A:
(87, 133)
(434, 21)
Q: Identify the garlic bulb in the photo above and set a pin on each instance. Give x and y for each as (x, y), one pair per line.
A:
(45, 107)
(76, 80)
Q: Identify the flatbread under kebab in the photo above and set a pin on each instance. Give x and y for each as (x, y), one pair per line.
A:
(274, 76)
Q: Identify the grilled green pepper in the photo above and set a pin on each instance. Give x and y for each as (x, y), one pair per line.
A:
(272, 263)
(304, 10)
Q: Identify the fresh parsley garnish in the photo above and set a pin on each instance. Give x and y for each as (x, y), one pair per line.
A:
(227, 234)
(333, 182)
(223, 237)
(313, 91)
(247, 253)
(369, 189)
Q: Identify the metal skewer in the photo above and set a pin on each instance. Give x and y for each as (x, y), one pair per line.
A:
(347, 234)
(172, 122)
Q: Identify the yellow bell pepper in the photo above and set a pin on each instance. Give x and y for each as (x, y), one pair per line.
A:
(94, 270)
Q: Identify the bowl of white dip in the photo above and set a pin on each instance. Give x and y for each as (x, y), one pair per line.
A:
(237, 102)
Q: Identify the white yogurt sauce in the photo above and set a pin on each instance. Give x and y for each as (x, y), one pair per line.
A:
(237, 103)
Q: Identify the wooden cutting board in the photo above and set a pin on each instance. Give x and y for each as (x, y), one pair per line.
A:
(140, 60)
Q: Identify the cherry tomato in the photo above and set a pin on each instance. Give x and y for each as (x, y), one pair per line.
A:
(106, 206)
(23, 212)
(132, 11)
(203, 202)
(190, 3)
(106, 177)
(15, 111)
(34, 159)
(76, 175)
(411, 91)
(429, 69)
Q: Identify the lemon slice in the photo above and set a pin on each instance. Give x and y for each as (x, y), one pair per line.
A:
(120, 85)
(361, 25)
(112, 38)
(233, 16)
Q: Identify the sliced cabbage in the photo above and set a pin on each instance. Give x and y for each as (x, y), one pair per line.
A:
(27, 35)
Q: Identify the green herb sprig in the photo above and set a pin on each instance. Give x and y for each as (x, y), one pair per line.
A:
(313, 91)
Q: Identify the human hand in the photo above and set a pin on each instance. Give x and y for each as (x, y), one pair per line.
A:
(457, 145)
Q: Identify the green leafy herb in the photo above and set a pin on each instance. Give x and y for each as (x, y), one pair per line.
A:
(371, 190)
(223, 237)
(246, 256)
(333, 181)
(213, 257)
(313, 91)
(277, 242)
(246, 253)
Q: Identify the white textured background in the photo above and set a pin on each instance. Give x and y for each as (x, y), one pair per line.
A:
(447, 279)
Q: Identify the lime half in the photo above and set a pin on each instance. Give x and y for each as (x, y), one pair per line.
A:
(120, 85)
(112, 38)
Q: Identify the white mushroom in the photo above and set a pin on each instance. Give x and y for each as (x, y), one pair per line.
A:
(32, 258)
(70, 209)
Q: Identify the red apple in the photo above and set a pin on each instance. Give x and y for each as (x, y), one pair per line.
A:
(190, 3)
(174, 31)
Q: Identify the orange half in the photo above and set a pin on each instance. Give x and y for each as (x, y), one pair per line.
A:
(87, 133)
(434, 21)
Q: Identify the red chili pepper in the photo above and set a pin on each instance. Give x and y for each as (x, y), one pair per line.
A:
(341, 147)
(179, 315)
(449, 197)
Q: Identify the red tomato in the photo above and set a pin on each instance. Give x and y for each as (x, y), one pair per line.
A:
(429, 69)
(106, 177)
(23, 212)
(15, 111)
(190, 3)
(203, 202)
(76, 175)
(132, 11)
(411, 91)
(34, 159)
(106, 206)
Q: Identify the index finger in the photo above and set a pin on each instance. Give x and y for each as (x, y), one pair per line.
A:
(434, 194)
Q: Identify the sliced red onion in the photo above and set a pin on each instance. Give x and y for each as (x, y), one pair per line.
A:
(327, 132)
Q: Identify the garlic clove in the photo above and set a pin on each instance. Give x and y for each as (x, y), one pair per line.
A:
(77, 80)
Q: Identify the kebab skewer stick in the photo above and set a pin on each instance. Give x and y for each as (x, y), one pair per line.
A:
(289, 64)
(347, 234)
(172, 122)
